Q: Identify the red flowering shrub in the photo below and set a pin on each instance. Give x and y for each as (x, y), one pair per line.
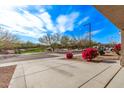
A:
(69, 55)
(117, 48)
(89, 53)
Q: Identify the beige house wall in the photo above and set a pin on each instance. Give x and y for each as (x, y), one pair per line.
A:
(122, 46)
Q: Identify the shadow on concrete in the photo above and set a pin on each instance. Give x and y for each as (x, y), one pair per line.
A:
(60, 71)
(109, 61)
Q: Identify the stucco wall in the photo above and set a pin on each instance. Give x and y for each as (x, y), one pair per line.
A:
(122, 48)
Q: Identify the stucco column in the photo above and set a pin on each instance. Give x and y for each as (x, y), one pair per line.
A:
(122, 48)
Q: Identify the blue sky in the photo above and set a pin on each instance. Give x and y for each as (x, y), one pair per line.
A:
(33, 21)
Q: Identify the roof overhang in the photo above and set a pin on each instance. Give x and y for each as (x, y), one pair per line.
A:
(115, 13)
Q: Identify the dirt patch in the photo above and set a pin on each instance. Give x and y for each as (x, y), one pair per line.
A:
(6, 75)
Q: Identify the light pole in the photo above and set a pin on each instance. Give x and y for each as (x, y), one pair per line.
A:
(89, 33)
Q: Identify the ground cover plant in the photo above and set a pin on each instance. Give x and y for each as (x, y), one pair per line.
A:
(69, 55)
(117, 48)
(89, 53)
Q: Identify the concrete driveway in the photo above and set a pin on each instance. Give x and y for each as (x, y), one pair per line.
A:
(55, 72)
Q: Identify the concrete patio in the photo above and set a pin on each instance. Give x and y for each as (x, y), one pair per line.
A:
(58, 73)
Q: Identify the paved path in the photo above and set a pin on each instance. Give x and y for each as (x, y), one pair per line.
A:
(55, 72)
(24, 57)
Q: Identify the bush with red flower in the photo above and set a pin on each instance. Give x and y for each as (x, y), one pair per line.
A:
(69, 55)
(89, 53)
(117, 48)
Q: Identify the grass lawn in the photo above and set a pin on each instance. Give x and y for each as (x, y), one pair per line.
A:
(33, 50)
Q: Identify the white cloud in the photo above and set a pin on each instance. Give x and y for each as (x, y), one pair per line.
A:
(92, 32)
(34, 25)
(16, 22)
(46, 19)
(95, 31)
(66, 22)
(83, 20)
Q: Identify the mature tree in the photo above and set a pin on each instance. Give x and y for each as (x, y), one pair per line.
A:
(28, 44)
(66, 41)
(7, 40)
(51, 40)
(79, 42)
(112, 42)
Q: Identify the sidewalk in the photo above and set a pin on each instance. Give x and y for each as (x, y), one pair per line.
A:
(53, 73)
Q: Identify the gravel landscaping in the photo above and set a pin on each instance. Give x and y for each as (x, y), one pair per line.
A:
(108, 58)
(6, 75)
